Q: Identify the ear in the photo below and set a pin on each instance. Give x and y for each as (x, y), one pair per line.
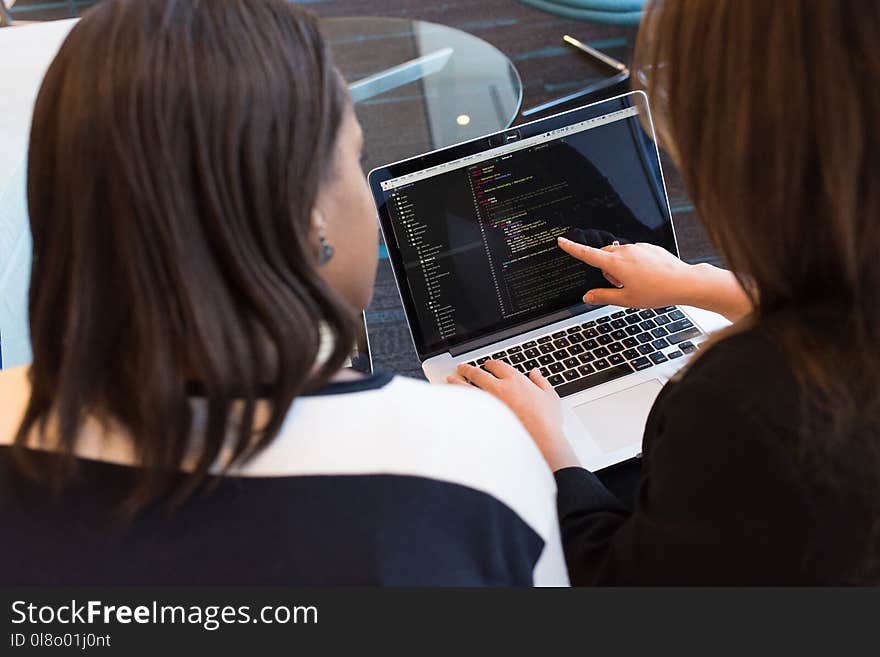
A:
(316, 222)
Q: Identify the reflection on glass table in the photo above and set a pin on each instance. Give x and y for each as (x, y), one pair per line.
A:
(420, 86)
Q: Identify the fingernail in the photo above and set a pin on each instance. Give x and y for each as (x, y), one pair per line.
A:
(589, 297)
(563, 239)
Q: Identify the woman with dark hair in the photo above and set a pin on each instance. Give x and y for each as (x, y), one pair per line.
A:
(203, 241)
(762, 459)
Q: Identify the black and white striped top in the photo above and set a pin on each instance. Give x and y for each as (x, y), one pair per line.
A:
(381, 481)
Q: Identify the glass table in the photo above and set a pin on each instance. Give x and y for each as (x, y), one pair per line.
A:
(420, 86)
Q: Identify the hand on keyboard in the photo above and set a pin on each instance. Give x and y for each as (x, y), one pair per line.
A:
(603, 349)
(532, 399)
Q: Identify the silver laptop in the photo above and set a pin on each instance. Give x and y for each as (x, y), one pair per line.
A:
(471, 232)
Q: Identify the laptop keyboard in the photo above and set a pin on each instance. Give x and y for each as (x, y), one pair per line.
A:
(603, 349)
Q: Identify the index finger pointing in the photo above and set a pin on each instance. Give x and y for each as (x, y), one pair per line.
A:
(595, 257)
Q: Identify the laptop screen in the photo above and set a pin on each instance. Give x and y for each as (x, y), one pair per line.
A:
(473, 239)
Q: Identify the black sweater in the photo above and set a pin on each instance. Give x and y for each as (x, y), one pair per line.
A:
(725, 495)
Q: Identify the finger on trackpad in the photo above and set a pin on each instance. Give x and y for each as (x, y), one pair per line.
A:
(618, 419)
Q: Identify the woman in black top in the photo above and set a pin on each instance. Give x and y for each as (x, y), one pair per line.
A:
(762, 458)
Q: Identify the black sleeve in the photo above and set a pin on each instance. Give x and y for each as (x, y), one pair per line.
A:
(589, 515)
(716, 504)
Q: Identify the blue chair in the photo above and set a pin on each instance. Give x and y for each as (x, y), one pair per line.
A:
(611, 12)
(6, 10)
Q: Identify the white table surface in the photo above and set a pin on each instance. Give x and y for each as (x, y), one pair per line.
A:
(25, 54)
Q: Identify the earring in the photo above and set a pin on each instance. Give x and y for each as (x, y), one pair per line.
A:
(327, 249)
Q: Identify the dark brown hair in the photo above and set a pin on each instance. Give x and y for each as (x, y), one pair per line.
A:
(770, 109)
(176, 153)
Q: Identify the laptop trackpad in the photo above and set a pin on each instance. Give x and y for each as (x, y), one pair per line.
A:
(618, 419)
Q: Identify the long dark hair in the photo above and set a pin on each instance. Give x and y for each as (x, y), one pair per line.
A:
(771, 111)
(176, 153)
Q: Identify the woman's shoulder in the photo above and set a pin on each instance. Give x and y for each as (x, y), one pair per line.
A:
(412, 428)
(419, 409)
(467, 403)
(755, 354)
(736, 439)
(406, 415)
(747, 370)
(752, 345)
(381, 424)
(739, 398)
(739, 394)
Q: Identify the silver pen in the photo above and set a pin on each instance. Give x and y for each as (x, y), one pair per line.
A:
(592, 52)
(621, 77)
